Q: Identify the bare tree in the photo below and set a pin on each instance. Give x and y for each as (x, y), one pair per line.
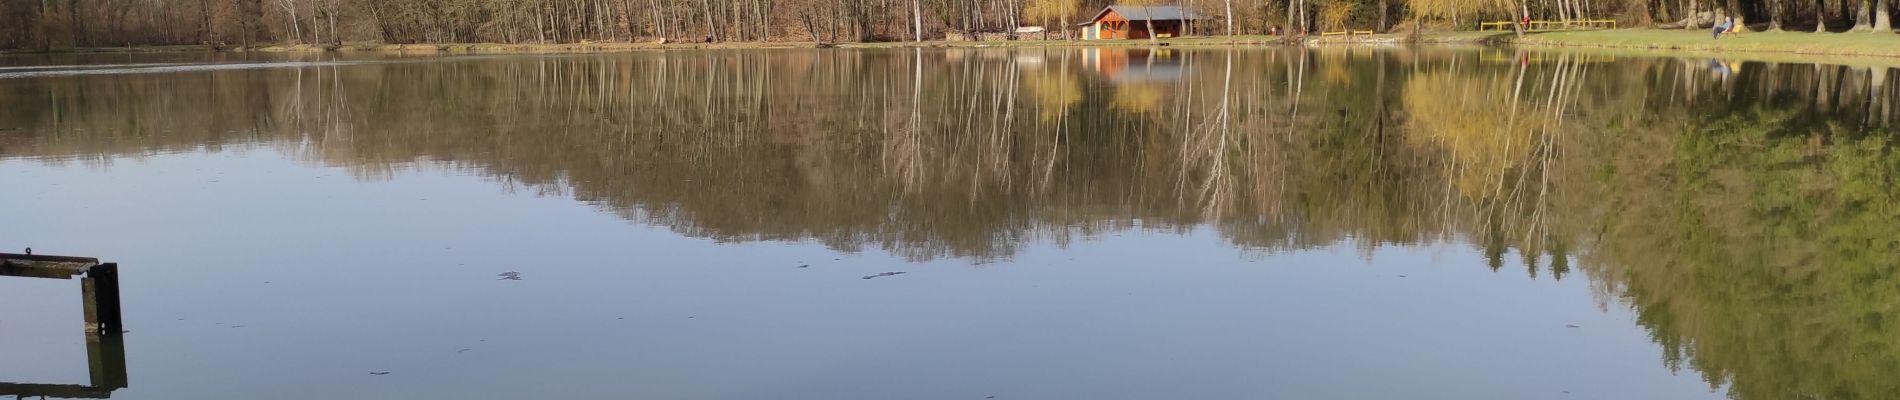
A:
(290, 7)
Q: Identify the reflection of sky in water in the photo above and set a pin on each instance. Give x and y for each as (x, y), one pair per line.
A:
(398, 276)
(40, 320)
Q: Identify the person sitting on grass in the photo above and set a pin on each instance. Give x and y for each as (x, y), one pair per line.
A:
(1726, 26)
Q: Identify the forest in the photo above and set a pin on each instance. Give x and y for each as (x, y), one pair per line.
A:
(51, 24)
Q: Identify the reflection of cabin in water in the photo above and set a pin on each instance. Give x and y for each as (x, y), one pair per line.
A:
(1131, 22)
(1124, 66)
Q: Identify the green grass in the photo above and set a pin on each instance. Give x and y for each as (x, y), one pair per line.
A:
(1841, 44)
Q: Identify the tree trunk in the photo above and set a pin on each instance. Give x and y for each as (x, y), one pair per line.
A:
(1695, 16)
(329, 16)
(540, 31)
(1820, 16)
(1290, 13)
(1064, 29)
(204, 21)
(1230, 19)
(712, 35)
(1864, 20)
(810, 28)
(1883, 18)
(917, 20)
(78, 25)
(296, 33)
(1774, 15)
(1846, 11)
(1377, 28)
(38, 30)
(1524, 8)
(1009, 14)
(1304, 29)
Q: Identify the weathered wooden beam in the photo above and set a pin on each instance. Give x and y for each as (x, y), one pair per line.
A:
(100, 290)
(43, 257)
(43, 266)
(9, 268)
(25, 390)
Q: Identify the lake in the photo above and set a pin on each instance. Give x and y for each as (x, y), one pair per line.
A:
(1063, 223)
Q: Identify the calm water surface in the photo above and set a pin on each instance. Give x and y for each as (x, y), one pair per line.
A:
(1069, 223)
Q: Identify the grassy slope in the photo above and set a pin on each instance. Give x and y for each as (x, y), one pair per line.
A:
(1851, 44)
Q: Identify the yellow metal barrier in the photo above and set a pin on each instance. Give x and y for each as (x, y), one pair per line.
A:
(1547, 25)
(1347, 33)
(1598, 22)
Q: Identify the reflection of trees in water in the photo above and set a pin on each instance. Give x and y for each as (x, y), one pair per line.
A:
(1746, 218)
(1763, 250)
(1466, 146)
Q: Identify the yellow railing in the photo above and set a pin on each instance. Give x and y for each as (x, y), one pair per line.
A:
(1548, 25)
(1347, 33)
(1598, 22)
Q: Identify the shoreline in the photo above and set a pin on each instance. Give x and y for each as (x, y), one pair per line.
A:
(1779, 45)
(1843, 44)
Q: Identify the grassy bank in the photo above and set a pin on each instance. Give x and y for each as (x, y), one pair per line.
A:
(1797, 43)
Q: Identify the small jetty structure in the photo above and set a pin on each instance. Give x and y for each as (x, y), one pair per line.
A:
(105, 349)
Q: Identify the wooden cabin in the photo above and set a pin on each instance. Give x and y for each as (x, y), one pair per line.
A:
(1131, 22)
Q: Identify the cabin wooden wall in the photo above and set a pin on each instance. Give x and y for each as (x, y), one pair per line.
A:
(1114, 26)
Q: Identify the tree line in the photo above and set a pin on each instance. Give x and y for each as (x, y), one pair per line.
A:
(48, 24)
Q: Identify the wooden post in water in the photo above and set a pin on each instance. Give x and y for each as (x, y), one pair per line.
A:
(100, 289)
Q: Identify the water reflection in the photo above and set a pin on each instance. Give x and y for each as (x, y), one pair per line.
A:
(1742, 209)
(105, 357)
